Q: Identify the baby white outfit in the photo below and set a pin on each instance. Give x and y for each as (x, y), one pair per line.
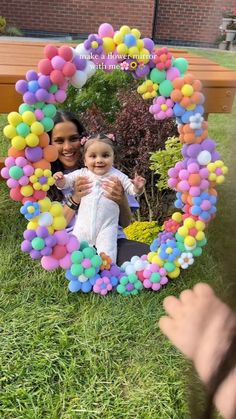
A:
(97, 219)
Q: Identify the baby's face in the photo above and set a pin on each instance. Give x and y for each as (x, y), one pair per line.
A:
(99, 158)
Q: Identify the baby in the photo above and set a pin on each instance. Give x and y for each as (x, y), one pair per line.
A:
(98, 216)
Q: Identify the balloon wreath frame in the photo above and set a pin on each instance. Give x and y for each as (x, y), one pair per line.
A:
(174, 92)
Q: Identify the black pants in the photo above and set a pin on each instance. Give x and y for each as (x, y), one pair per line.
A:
(128, 248)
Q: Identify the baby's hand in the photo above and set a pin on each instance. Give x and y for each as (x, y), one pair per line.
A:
(59, 179)
(139, 183)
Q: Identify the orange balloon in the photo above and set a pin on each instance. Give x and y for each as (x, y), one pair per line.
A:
(194, 179)
(42, 164)
(50, 153)
(13, 152)
(197, 85)
(176, 95)
(44, 140)
(185, 102)
(188, 78)
(178, 83)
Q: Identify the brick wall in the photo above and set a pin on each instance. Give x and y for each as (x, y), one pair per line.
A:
(178, 22)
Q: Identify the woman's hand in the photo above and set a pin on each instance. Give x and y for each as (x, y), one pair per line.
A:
(114, 190)
(82, 187)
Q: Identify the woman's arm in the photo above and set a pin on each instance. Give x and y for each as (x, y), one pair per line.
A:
(82, 187)
(115, 191)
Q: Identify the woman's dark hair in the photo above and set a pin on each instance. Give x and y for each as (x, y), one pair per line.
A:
(62, 116)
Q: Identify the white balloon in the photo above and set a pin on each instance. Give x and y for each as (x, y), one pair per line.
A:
(45, 219)
(83, 278)
(204, 157)
(90, 69)
(73, 52)
(82, 51)
(79, 79)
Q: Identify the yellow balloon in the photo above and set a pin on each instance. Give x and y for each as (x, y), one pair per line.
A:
(59, 223)
(174, 274)
(140, 44)
(200, 225)
(133, 52)
(177, 216)
(37, 128)
(122, 49)
(14, 118)
(18, 142)
(45, 204)
(32, 140)
(187, 90)
(124, 30)
(136, 33)
(45, 187)
(56, 209)
(150, 255)
(118, 38)
(220, 179)
(189, 223)
(50, 229)
(200, 236)
(28, 117)
(37, 186)
(190, 241)
(144, 56)
(108, 45)
(33, 224)
(183, 231)
(9, 131)
(26, 190)
(157, 260)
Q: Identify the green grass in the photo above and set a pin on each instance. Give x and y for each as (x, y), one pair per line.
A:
(69, 356)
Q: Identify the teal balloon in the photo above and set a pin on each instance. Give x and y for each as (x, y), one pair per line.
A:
(53, 88)
(96, 261)
(165, 88)
(90, 272)
(157, 76)
(155, 277)
(76, 269)
(169, 266)
(89, 252)
(23, 129)
(181, 64)
(16, 172)
(47, 123)
(49, 110)
(39, 105)
(77, 256)
(38, 243)
(24, 107)
(197, 251)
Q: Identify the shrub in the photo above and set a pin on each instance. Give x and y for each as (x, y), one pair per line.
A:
(143, 231)
(2, 24)
(163, 160)
(13, 31)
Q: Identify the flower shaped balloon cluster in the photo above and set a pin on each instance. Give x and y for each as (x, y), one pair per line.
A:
(174, 93)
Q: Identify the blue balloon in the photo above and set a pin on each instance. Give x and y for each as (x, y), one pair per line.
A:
(33, 86)
(86, 286)
(130, 40)
(70, 277)
(74, 286)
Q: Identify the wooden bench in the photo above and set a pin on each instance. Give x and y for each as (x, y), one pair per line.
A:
(219, 83)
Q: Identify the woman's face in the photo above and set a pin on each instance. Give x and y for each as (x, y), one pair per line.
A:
(67, 141)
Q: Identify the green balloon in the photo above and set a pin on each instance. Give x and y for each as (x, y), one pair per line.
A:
(138, 285)
(49, 110)
(39, 105)
(179, 238)
(165, 88)
(96, 261)
(124, 280)
(197, 251)
(77, 256)
(132, 278)
(76, 269)
(16, 172)
(181, 64)
(47, 123)
(53, 88)
(169, 266)
(38, 243)
(23, 129)
(155, 277)
(24, 107)
(157, 76)
(90, 272)
(89, 252)
(83, 244)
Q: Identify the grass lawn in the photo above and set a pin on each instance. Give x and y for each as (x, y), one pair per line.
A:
(69, 356)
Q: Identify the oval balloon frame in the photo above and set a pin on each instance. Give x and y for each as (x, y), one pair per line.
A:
(27, 168)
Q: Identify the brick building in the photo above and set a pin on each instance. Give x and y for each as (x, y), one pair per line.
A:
(176, 22)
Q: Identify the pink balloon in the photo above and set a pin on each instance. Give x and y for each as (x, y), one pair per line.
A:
(65, 263)
(49, 263)
(105, 30)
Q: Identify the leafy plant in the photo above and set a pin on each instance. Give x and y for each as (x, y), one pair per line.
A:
(163, 160)
(143, 231)
(3, 23)
(13, 31)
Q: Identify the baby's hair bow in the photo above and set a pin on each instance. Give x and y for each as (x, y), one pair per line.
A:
(111, 136)
(83, 140)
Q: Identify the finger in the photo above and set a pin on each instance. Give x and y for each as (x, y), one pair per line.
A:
(172, 305)
(202, 289)
(167, 326)
(186, 296)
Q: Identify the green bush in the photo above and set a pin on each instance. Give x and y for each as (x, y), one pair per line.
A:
(143, 231)
(163, 160)
(2, 24)
(100, 91)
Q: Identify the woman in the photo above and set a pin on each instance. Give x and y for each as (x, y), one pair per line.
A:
(66, 136)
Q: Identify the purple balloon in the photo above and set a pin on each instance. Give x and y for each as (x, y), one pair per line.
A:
(148, 44)
(26, 246)
(21, 86)
(208, 145)
(42, 95)
(51, 241)
(34, 153)
(172, 73)
(12, 183)
(60, 96)
(29, 234)
(58, 62)
(42, 232)
(44, 82)
(31, 75)
(24, 180)
(47, 251)
(29, 98)
(35, 254)
(80, 63)
(142, 71)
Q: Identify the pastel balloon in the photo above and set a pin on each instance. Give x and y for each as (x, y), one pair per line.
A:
(79, 79)
(106, 30)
